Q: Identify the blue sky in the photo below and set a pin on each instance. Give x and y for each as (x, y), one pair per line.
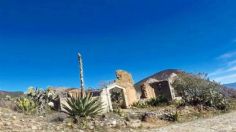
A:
(39, 40)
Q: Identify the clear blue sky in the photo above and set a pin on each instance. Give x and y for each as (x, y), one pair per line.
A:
(39, 40)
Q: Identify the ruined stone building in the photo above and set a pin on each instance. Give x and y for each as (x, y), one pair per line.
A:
(159, 84)
(124, 93)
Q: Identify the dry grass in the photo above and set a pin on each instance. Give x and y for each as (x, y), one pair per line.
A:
(7, 104)
(233, 104)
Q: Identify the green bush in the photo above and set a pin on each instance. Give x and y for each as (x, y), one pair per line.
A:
(25, 105)
(83, 106)
(141, 104)
(161, 100)
(198, 89)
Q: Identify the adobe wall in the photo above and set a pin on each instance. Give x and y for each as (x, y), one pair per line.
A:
(124, 79)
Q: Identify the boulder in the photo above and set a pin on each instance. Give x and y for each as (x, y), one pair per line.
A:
(150, 117)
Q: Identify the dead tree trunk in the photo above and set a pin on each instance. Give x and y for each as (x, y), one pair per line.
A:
(81, 75)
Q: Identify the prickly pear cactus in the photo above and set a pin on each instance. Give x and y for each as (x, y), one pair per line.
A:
(25, 105)
(43, 98)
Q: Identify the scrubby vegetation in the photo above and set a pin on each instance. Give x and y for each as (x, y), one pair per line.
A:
(199, 90)
(36, 100)
(43, 99)
(141, 104)
(159, 101)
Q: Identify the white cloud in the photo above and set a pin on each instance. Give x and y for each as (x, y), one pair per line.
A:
(227, 72)
(232, 62)
(217, 72)
(227, 55)
(226, 79)
(223, 71)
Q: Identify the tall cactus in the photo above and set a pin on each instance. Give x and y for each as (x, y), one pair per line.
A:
(81, 74)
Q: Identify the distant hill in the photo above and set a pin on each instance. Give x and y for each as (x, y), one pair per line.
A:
(231, 85)
(163, 75)
(12, 94)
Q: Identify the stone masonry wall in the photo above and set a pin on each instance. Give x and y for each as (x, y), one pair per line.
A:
(124, 79)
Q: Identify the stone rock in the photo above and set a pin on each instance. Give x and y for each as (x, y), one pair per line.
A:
(69, 125)
(110, 122)
(133, 116)
(91, 126)
(134, 124)
(7, 124)
(34, 128)
(113, 123)
(14, 117)
(150, 117)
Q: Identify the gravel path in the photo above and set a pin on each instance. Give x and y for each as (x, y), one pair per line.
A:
(222, 123)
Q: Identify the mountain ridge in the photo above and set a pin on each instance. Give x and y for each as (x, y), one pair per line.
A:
(3, 93)
(231, 85)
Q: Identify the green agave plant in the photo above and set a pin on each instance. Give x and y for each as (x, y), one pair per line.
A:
(83, 106)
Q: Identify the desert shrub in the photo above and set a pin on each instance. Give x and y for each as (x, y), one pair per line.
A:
(198, 89)
(141, 104)
(83, 106)
(10, 104)
(118, 112)
(25, 105)
(178, 103)
(160, 100)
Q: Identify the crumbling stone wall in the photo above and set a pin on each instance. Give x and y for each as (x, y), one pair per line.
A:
(158, 88)
(158, 85)
(148, 92)
(124, 79)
